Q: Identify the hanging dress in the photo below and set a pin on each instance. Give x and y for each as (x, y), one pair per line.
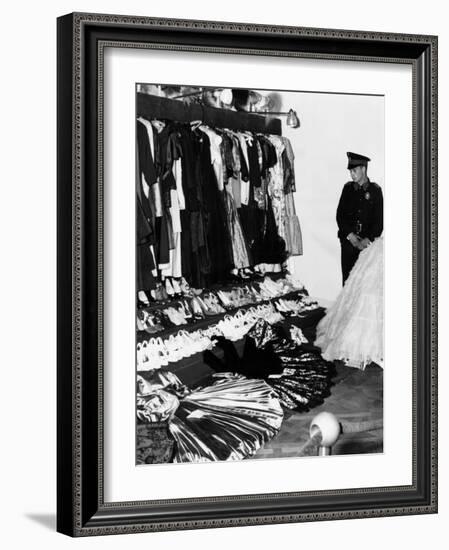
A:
(222, 161)
(276, 186)
(217, 233)
(293, 234)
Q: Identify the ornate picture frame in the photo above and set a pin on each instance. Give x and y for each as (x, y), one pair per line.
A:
(81, 508)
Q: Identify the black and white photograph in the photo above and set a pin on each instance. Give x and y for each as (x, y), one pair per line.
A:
(223, 220)
(259, 273)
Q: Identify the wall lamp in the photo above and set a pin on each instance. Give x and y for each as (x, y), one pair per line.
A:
(292, 117)
(245, 98)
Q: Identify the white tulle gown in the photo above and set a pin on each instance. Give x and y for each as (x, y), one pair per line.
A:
(352, 329)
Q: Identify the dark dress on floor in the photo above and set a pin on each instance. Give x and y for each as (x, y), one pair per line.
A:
(300, 377)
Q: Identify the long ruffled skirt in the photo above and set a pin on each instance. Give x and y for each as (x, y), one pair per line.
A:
(352, 329)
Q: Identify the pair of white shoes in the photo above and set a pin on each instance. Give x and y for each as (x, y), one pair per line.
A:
(267, 312)
(234, 328)
(211, 302)
(151, 354)
(297, 335)
(295, 283)
(272, 289)
(309, 303)
(225, 298)
(289, 306)
(156, 353)
(185, 344)
(176, 316)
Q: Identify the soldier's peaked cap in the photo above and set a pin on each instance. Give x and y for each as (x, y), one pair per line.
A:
(354, 159)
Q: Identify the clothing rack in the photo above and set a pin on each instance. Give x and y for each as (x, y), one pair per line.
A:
(162, 108)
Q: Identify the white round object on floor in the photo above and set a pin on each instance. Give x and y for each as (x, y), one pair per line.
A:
(328, 425)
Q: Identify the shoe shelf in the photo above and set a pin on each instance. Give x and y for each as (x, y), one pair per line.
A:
(194, 372)
(204, 323)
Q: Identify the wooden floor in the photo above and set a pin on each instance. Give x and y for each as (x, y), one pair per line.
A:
(357, 396)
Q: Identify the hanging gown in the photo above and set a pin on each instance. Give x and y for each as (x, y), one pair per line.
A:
(196, 261)
(248, 212)
(216, 225)
(240, 249)
(352, 329)
(293, 234)
(145, 234)
(276, 186)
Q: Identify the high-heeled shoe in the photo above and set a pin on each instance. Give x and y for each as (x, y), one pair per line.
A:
(169, 288)
(196, 309)
(206, 310)
(160, 319)
(186, 311)
(161, 293)
(214, 300)
(245, 298)
(297, 335)
(142, 298)
(140, 321)
(174, 352)
(186, 344)
(243, 276)
(147, 358)
(152, 325)
(280, 306)
(253, 274)
(213, 306)
(140, 355)
(185, 287)
(141, 304)
(176, 287)
(162, 351)
(295, 283)
(235, 297)
(175, 316)
(224, 299)
(193, 341)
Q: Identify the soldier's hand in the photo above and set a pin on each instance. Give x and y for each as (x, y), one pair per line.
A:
(354, 240)
(364, 243)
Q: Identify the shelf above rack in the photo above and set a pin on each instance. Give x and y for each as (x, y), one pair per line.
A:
(162, 108)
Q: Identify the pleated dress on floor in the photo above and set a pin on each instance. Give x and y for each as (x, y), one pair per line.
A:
(230, 419)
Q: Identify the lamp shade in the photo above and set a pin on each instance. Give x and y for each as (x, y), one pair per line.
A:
(292, 119)
(226, 96)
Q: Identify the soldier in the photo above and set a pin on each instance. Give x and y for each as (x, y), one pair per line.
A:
(359, 213)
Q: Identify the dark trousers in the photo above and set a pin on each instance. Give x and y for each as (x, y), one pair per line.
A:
(349, 255)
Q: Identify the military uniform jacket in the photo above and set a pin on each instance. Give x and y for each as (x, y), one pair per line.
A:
(360, 210)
